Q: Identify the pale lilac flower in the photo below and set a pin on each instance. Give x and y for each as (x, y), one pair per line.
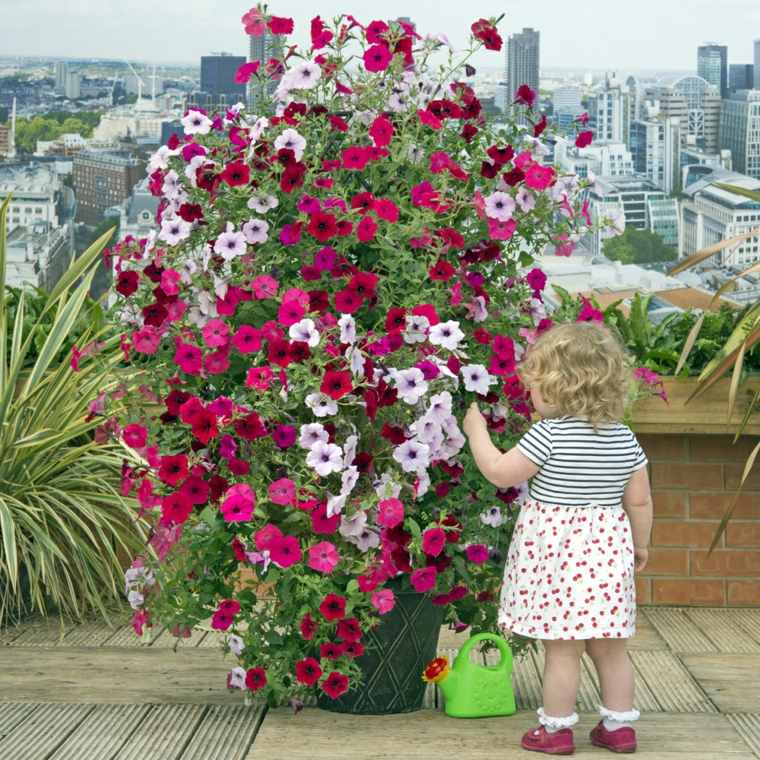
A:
(135, 599)
(196, 123)
(412, 456)
(477, 309)
(416, 328)
(236, 679)
(500, 206)
(348, 479)
(492, 517)
(352, 526)
(256, 231)
(525, 200)
(476, 378)
(258, 128)
(349, 447)
(262, 203)
(304, 76)
(321, 404)
(305, 331)
(411, 384)
(230, 245)
(614, 221)
(259, 558)
(291, 139)
(347, 329)
(335, 504)
(311, 434)
(325, 458)
(236, 644)
(174, 231)
(440, 407)
(422, 484)
(446, 334)
(366, 540)
(356, 361)
(387, 488)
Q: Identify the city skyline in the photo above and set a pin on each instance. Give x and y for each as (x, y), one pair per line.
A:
(590, 36)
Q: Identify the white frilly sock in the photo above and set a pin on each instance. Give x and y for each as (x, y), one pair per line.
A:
(552, 725)
(612, 720)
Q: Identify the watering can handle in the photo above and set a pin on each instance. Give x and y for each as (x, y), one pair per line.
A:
(506, 652)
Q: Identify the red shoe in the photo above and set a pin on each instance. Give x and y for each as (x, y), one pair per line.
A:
(620, 740)
(558, 743)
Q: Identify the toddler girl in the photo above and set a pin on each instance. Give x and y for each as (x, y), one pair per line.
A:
(584, 527)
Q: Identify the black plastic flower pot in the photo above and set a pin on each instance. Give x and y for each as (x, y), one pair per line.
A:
(396, 653)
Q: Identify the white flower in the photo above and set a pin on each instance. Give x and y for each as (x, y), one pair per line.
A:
(196, 123)
(171, 184)
(387, 488)
(440, 407)
(325, 458)
(398, 103)
(525, 200)
(366, 540)
(411, 384)
(236, 644)
(416, 328)
(500, 206)
(476, 378)
(262, 203)
(236, 678)
(356, 360)
(321, 404)
(174, 231)
(335, 504)
(422, 485)
(349, 446)
(492, 517)
(258, 128)
(191, 169)
(311, 434)
(348, 480)
(229, 245)
(425, 429)
(615, 219)
(446, 334)
(135, 599)
(291, 139)
(412, 456)
(304, 76)
(255, 231)
(354, 525)
(347, 328)
(160, 159)
(305, 331)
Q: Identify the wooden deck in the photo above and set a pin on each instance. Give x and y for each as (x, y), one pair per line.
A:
(93, 692)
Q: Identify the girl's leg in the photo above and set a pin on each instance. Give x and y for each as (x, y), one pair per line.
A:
(616, 680)
(562, 673)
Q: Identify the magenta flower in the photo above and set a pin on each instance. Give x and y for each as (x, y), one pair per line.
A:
(284, 436)
(238, 504)
(383, 600)
(286, 551)
(323, 557)
(539, 177)
(282, 492)
(216, 333)
(424, 579)
(188, 358)
(433, 541)
(390, 513)
(377, 58)
(477, 553)
(246, 71)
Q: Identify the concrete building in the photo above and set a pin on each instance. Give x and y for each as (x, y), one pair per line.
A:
(741, 76)
(740, 131)
(711, 213)
(567, 105)
(37, 193)
(263, 48)
(103, 180)
(5, 141)
(756, 77)
(143, 120)
(73, 85)
(696, 164)
(61, 72)
(640, 202)
(610, 111)
(602, 158)
(38, 255)
(71, 143)
(712, 66)
(137, 214)
(655, 147)
(523, 61)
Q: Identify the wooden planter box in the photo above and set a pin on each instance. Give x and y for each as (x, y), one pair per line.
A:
(694, 470)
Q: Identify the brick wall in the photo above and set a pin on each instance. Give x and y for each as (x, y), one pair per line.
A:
(693, 478)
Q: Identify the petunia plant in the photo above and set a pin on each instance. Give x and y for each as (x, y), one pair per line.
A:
(329, 283)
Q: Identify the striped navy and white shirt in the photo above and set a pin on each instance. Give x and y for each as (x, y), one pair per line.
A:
(578, 467)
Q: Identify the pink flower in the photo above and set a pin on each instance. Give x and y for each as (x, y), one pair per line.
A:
(135, 436)
(286, 551)
(247, 339)
(501, 230)
(246, 71)
(291, 233)
(284, 436)
(386, 209)
(433, 541)
(259, 378)
(238, 504)
(282, 492)
(254, 23)
(383, 600)
(170, 282)
(264, 287)
(381, 131)
(267, 537)
(430, 119)
(539, 177)
(477, 553)
(216, 333)
(390, 513)
(424, 579)
(188, 358)
(146, 340)
(323, 557)
(290, 312)
(355, 157)
(377, 58)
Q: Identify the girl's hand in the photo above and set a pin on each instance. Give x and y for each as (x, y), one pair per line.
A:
(473, 420)
(641, 557)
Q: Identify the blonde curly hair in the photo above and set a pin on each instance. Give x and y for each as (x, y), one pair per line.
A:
(580, 369)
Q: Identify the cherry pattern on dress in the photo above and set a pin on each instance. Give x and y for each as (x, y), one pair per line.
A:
(569, 573)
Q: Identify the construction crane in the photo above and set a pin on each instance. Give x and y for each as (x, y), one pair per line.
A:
(140, 83)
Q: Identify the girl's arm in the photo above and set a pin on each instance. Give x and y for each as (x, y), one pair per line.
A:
(503, 470)
(637, 502)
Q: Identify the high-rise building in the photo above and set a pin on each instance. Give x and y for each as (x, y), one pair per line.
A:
(263, 48)
(696, 103)
(61, 71)
(103, 180)
(603, 158)
(741, 76)
(522, 53)
(567, 105)
(757, 64)
(610, 111)
(218, 76)
(73, 85)
(740, 131)
(655, 147)
(712, 66)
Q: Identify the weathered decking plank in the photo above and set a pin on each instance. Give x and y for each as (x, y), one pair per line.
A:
(732, 681)
(102, 733)
(126, 637)
(225, 733)
(672, 684)
(163, 734)
(647, 636)
(748, 727)
(748, 620)
(679, 631)
(526, 681)
(166, 640)
(13, 714)
(46, 729)
(719, 626)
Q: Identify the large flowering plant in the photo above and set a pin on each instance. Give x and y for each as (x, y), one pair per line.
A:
(326, 287)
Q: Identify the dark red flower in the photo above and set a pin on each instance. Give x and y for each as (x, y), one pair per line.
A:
(347, 301)
(308, 627)
(354, 649)
(175, 508)
(335, 684)
(279, 352)
(336, 384)
(525, 96)
(364, 284)
(173, 469)
(236, 173)
(395, 319)
(308, 671)
(322, 226)
(349, 630)
(204, 426)
(441, 270)
(127, 283)
(250, 427)
(256, 678)
(501, 156)
(514, 177)
(486, 32)
(333, 607)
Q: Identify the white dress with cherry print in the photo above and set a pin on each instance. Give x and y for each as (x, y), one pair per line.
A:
(570, 568)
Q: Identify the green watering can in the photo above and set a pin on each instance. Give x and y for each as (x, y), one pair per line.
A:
(475, 691)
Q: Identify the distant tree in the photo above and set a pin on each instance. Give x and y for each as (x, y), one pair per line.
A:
(638, 247)
(51, 126)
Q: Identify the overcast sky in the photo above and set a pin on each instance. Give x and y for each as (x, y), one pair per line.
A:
(625, 34)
